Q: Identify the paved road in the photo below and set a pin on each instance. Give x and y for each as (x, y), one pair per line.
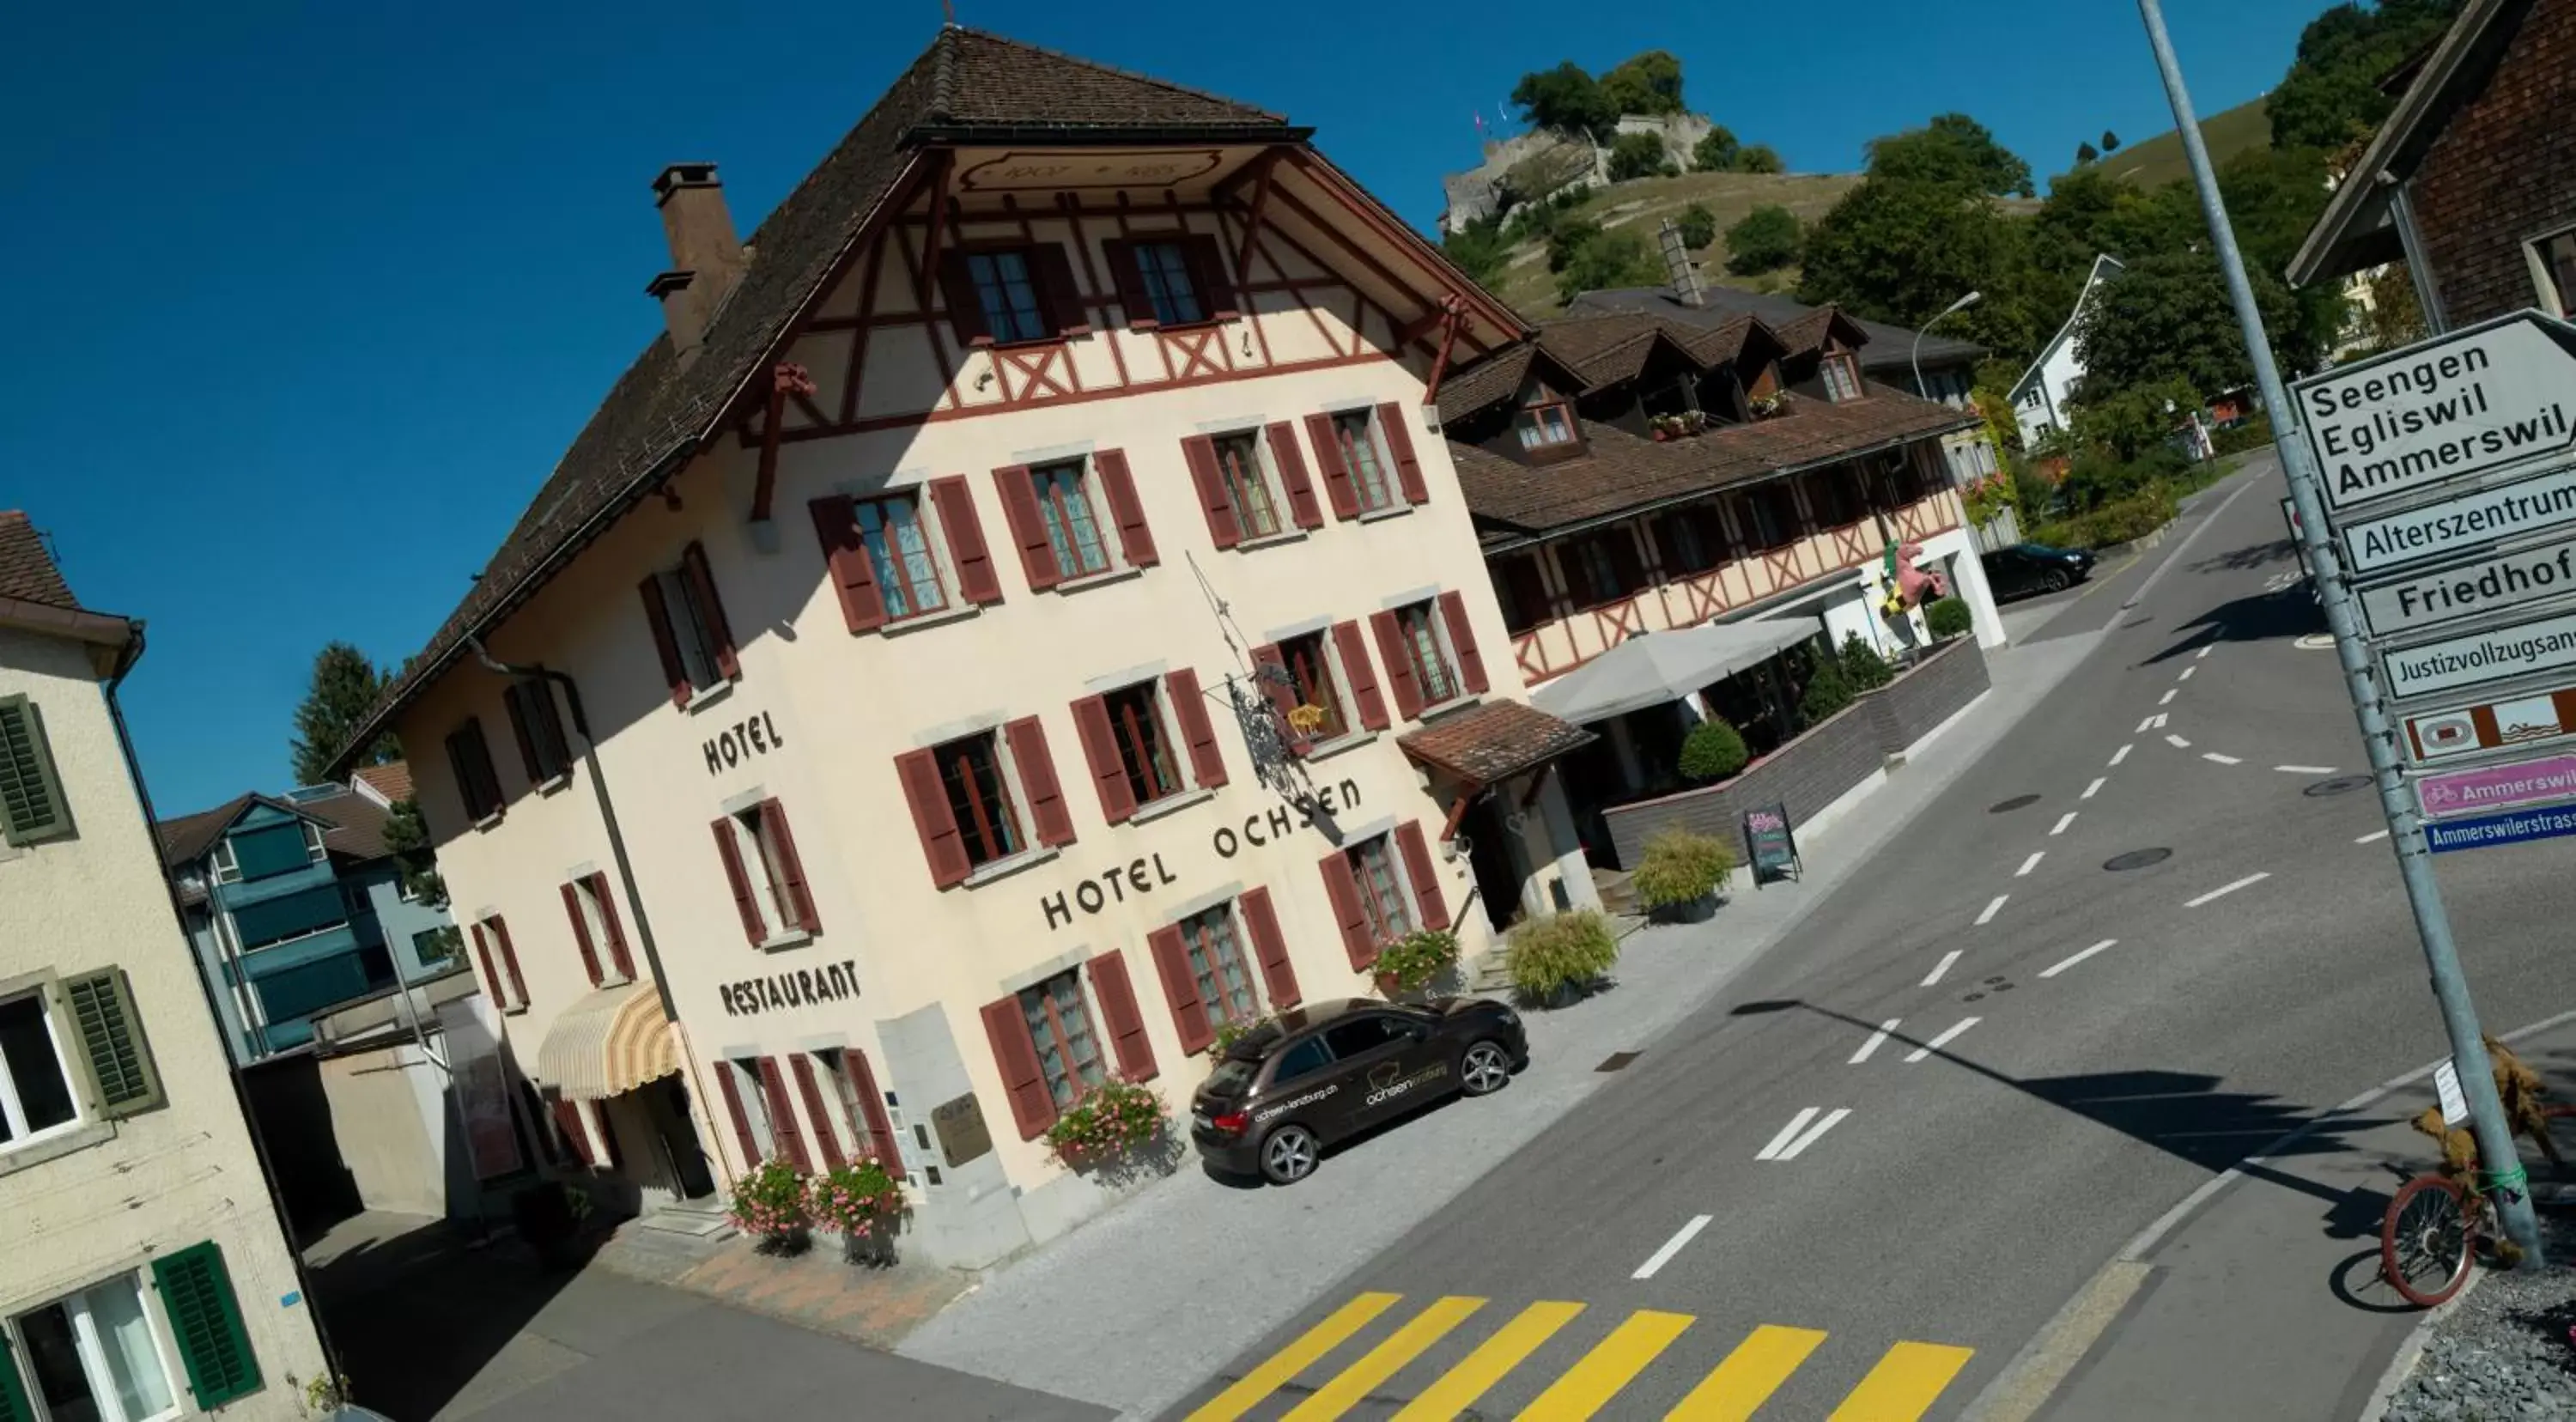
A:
(1829, 1218)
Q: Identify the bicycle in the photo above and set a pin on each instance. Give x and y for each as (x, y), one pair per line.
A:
(2429, 1236)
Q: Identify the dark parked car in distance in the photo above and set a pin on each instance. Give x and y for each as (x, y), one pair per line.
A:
(1319, 1074)
(2035, 568)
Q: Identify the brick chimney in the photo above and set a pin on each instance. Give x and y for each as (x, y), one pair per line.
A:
(1677, 264)
(706, 258)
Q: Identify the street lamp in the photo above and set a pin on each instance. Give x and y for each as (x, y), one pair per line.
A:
(1915, 358)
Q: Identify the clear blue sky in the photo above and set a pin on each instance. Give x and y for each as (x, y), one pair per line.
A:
(311, 297)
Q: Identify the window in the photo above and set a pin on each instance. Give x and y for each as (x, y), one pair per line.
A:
(1238, 462)
(35, 1075)
(471, 760)
(434, 946)
(1059, 1023)
(1770, 514)
(1310, 671)
(1217, 965)
(97, 1355)
(538, 728)
(1543, 425)
(762, 867)
(1693, 539)
(1164, 268)
(899, 552)
(1835, 495)
(1304, 1059)
(31, 794)
(854, 1090)
(1136, 721)
(227, 866)
(599, 934)
(1364, 1033)
(1353, 433)
(1522, 590)
(987, 821)
(1842, 377)
(1603, 567)
(689, 631)
(746, 1095)
(1007, 291)
(689, 628)
(2555, 261)
(1064, 502)
(500, 960)
(1382, 896)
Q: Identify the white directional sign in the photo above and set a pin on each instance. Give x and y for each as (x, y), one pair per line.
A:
(2471, 401)
(2486, 585)
(2488, 654)
(2462, 525)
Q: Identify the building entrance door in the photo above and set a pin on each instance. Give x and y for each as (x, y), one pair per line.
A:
(666, 1102)
(1493, 854)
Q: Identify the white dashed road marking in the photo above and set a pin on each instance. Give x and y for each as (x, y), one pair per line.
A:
(2060, 827)
(2222, 759)
(2177, 742)
(2054, 969)
(2170, 693)
(2224, 890)
(2373, 837)
(2186, 673)
(1992, 908)
(1937, 1043)
(2031, 863)
(2122, 753)
(2204, 652)
(1876, 1039)
(1941, 967)
(1790, 1141)
(2146, 725)
(2095, 788)
(2305, 769)
(1672, 1246)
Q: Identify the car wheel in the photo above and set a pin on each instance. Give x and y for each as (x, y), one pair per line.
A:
(2056, 581)
(1289, 1155)
(1486, 1069)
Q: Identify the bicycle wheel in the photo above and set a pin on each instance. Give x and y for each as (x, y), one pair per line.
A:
(2427, 1240)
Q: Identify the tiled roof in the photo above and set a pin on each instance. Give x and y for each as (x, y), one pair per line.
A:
(1623, 472)
(191, 837)
(1496, 377)
(1493, 741)
(1596, 350)
(391, 781)
(352, 825)
(966, 85)
(1889, 347)
(27, 571)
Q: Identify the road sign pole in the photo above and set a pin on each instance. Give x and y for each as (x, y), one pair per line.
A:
(2406, 832)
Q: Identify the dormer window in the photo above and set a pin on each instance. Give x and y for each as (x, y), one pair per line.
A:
(1842, 377)
(1546, 425)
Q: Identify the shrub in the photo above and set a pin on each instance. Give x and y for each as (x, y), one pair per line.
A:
(1566, 237)
(1610, 260)
(1548, 955)
(1863, 667)
(1418, 957)
(1638, 155)
(1113, 1120)
(2117, 522)
(1827, 692)
(1766, 240)
(1698, 225)
(855, 1200)
(1680, 867)
(2236, 439)
(1949, 617)
(1716, 151)
(1713, 750)
(1759, 158)
(769, 1201)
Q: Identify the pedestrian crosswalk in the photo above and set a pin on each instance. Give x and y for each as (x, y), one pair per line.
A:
(1376, 1350)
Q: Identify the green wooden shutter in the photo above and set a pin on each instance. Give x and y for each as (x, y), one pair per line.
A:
(14, 1406)
(112, 1032)
(197, 1294)
(31, 797)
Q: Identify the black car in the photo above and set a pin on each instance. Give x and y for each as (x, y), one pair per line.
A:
(2035, 568)
(1324, 1072)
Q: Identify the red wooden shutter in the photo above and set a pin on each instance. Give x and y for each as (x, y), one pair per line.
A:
(1118, 1010)
(827, 1141)
(1399, 664)
(514, 701)
(1360, 675)
(674, 671)
(728, 850)
(1120, 255)
(498, 990)
(741, 1119)
(965, 309)
(1424, 875)
(1270, 672)
(1100, 748)
(845, 556)
(1032, 1105)
(1207, 268)
(1180, 987)
(932, 819)
(1342, 890)
(1462, 640)
(581, 934)
(863, 1085)
(1292, 472)
(1399, 442)
(782, 1117)
(1261, 922)
(576, 1132)
(1207, 760)
(618, 955)
(791, 867)
(510, 959)
(977, 581)
(1028, 526)
(1057, 290)
(1053, 818)
(1337, 474)
(1199, 452)
(1134, 538)
(702, 587)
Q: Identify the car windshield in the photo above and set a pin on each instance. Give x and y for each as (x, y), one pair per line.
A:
(1232, 1077)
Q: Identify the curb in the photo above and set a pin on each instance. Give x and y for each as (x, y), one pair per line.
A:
(2402, 1366)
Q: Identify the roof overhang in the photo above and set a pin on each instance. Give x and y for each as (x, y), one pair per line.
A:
(113, 642)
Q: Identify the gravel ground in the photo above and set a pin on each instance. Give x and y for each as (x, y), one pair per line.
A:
(2504, 1351)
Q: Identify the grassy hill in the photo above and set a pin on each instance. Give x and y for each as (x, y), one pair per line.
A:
(2159, 160)
(1530, 288)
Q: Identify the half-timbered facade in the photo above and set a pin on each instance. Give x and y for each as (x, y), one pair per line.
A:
(1019, 618)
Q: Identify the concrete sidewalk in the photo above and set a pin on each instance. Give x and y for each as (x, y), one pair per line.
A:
(2260, 1296)
(1182, 1278)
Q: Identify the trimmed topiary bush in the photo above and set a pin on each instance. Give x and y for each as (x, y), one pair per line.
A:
(1863, 667)
(1552, 956)
(1679, 869)
(1827, 692)
(1948, 617)
(1713, 750)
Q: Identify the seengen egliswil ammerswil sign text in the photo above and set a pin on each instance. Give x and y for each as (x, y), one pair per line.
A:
(2443, 410)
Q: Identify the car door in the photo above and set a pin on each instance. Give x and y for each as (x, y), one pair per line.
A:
(1384, 1063)
(1307, 1086)
(2009, 572)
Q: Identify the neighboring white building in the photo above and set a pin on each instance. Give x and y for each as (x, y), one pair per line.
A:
(146, 1274)
(2039, 397)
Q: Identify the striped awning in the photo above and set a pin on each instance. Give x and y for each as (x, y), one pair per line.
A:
(607, 1044)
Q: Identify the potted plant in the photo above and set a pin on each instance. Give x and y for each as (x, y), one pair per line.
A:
(1115, 1122)
(1229, 1033)
(769, 1204)
(864, 1204)
(1678, 877)
(1766, 406)
(1555, 960)
(1947, 618)
(1410, 963)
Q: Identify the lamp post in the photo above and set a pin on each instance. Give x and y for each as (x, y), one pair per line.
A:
(1915, 357)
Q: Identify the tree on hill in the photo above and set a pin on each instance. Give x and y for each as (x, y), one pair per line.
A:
(1953, 149)
(1610, 259)
(1565, 99)
(1715, 152)
(1759, 158)
(2331, 93)
(344, 689)
(1479, 249)
(1648, 83)
(2085, 153)
(1638, 155)
(1698, 225)
(1568, 236)
(1900, 250)
(2110, 141)
(1766, 240)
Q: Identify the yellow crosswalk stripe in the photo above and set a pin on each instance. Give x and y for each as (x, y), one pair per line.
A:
(1385, 1360)
(1591, 1383)
(1458, 1388)
(1748, 1377)
(1288, 1362)
(1901, 1388)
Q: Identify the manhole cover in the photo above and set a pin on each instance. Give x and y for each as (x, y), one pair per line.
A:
(2015, 803)
(2137, 859)
(2315, 642)
(1615, 1061)
(2337, 786)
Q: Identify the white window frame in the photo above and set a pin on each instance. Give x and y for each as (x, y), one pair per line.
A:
(934, 541)
(594, 921)
(49, 1008)
(227, 867)
(849, 1127)
(1840, 371)
(1352, 730)
(1006, 766)
(1389, 478)
(315, 851)
(1095, 497)
(92, 1353)
(1265, 466)
(1168, 724)
(1439, 624)
(756, 849)
(1539, 426)
(755, 1106)
(689, 632)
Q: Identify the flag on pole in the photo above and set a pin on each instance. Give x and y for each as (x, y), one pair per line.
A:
(1480, 123)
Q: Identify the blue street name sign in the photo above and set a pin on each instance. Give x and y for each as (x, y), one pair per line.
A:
(2515, 828)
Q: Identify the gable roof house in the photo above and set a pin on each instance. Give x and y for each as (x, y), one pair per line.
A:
(1018, 618)
(2039, 398)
